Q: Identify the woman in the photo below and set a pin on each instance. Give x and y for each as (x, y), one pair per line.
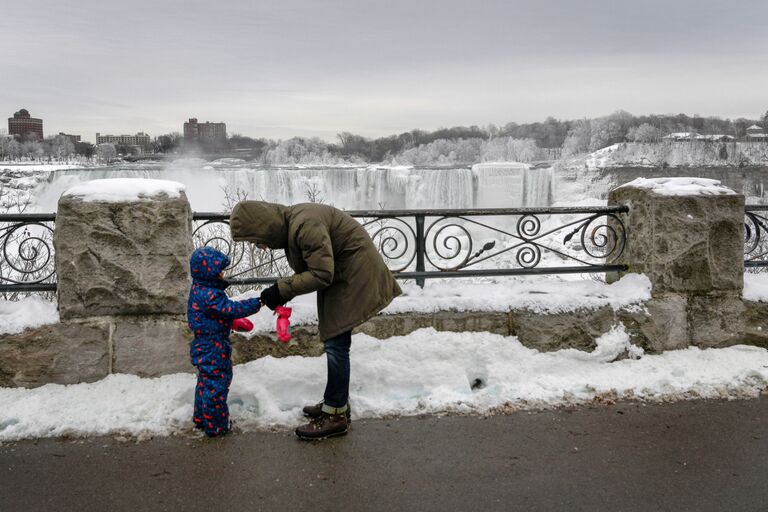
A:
(332, 255)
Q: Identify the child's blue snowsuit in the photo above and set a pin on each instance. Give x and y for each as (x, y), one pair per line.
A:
(210, 314)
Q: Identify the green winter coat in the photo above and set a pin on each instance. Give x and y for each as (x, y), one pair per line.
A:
(331, 254)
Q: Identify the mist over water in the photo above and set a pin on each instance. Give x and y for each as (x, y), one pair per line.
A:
(487, 185)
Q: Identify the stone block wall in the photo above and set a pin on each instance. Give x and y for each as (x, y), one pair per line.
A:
(123, 279)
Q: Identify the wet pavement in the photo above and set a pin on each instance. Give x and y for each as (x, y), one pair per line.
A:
(697, 455)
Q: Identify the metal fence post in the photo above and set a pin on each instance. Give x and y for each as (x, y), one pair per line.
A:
(420, 244)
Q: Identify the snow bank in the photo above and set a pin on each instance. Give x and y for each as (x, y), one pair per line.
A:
(537, 294)
(681, 186)
(755, 287)
(26, 313)
(125, 189)
(544, 296)
(424, 372)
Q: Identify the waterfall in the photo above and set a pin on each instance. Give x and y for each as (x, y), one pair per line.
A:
(487, 185)
(511, 185)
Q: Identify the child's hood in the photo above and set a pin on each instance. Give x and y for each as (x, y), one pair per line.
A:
(206, 264)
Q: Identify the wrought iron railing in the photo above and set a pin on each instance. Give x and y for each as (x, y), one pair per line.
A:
(416, 244)
(426, 244)
(755, 236)
(26, 253)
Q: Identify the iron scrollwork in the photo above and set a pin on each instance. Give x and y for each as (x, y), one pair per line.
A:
(395, 239)
(755, 239)
(27, 251)
(598, 237)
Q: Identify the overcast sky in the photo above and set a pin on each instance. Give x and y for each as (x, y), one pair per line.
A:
(316, 67)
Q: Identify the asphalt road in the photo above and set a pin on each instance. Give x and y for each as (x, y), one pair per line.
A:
(698, 456)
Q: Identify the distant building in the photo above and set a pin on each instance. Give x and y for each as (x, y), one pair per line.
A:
(204, 132)
(139, 140)
(756, 134)
(681, 136)
(22, 125)
(716, 138)
(693, 136)
(74, 138)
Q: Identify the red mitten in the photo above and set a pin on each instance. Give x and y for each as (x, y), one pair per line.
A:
(242, 325)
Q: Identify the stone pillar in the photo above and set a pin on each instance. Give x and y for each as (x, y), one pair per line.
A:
(686, 235)
(125, 264)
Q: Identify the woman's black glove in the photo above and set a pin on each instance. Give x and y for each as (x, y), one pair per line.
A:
(271, 297)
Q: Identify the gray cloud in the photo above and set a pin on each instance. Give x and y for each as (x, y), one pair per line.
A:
(315, 67)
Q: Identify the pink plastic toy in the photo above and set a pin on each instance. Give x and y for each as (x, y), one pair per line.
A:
(283, 322)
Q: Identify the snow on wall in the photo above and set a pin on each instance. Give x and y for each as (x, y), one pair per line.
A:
(27, 313)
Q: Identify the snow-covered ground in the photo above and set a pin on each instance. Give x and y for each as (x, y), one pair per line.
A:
(18, 180)
(40, 167)
(424, 372)
(674, 154)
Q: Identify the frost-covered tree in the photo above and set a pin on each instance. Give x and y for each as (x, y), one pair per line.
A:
(578, 139)
(304, 151)
(33, 149)
(106, 152)
(643, 133)
(10, 149)
(59, 147)
(507, 149)
(604, 132)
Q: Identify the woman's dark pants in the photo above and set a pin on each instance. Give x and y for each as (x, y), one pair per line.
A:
(337, 354)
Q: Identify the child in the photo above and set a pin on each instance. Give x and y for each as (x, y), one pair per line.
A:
(210, 315)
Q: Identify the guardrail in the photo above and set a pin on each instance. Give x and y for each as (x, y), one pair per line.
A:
(429, 244)
(415, 244)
